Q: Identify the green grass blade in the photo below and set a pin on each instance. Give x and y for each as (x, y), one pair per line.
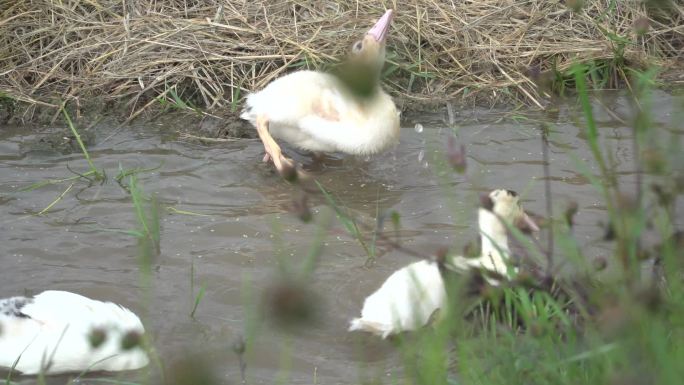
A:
(198, 299)
(80, 142)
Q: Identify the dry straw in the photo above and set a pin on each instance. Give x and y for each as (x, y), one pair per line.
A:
(212, 53)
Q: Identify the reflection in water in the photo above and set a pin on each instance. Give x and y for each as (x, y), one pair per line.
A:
(226, 220)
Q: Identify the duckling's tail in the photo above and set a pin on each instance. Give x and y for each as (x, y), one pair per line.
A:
(369, 326)
(249, 108)
(247, 114)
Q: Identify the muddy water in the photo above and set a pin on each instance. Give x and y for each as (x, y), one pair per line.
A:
(244, 229)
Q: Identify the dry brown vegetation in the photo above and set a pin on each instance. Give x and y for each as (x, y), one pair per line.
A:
(210, 53)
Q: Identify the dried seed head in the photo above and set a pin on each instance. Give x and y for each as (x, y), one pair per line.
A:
(457, 156)
(609, 231)
(626, 203)
(613, 319)
(97, 337)
(131, 340)
(655, 161)
(535, 328)
(488, 292)
(289, 171)
(674, 242)
(542, 79)
(300, 207)
(641, 26)
(239, 345)
(679, 182)
(193, 369)
(525, 278)
(643, 254)
(574, 5)
(290, 303)
(570, 213)
(475, 284)
(651, 298)
(472, 249)
(441, 255)
(665, 198)
(599, 263)
(534, 72)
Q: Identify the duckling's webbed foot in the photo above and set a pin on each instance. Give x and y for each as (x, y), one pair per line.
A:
(286, 167)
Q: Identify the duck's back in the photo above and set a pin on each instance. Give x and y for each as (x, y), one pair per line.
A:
(60, 326)
(288, 98)
(405, 301)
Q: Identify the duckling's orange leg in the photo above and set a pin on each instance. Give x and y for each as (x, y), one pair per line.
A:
(272, 148)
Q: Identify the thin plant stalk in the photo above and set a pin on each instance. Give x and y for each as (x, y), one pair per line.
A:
(93, 169)
(548, 198)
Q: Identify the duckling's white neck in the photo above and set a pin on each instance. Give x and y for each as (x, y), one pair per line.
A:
(494, 236)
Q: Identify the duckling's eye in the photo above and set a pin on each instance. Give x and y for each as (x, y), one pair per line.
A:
(357, 47)
(512, 193)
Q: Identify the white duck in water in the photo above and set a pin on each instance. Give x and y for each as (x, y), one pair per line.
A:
(409, 297)
(324, 112)
(58, 331)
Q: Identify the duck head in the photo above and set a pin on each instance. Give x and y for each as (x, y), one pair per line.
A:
(361, 71)
(497, 207)
(504, 205)
(370, 51)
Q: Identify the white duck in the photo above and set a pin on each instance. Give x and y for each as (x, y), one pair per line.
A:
(58, 331)
(324, 112)
(409, 297)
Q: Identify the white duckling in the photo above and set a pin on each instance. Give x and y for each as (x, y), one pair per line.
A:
(59, 331)
(409, 297)
(325, 112)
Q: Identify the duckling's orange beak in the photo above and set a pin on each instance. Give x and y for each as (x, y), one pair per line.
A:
(530, 223)
(381, 28)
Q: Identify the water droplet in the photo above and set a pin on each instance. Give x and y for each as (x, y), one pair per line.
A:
(418, 128)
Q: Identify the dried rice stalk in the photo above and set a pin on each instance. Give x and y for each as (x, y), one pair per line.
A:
(214, 52)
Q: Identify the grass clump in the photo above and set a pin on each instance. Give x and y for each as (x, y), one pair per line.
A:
(544, 327)
(194, 54)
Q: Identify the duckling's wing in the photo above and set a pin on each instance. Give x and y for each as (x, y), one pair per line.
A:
(352, 125)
